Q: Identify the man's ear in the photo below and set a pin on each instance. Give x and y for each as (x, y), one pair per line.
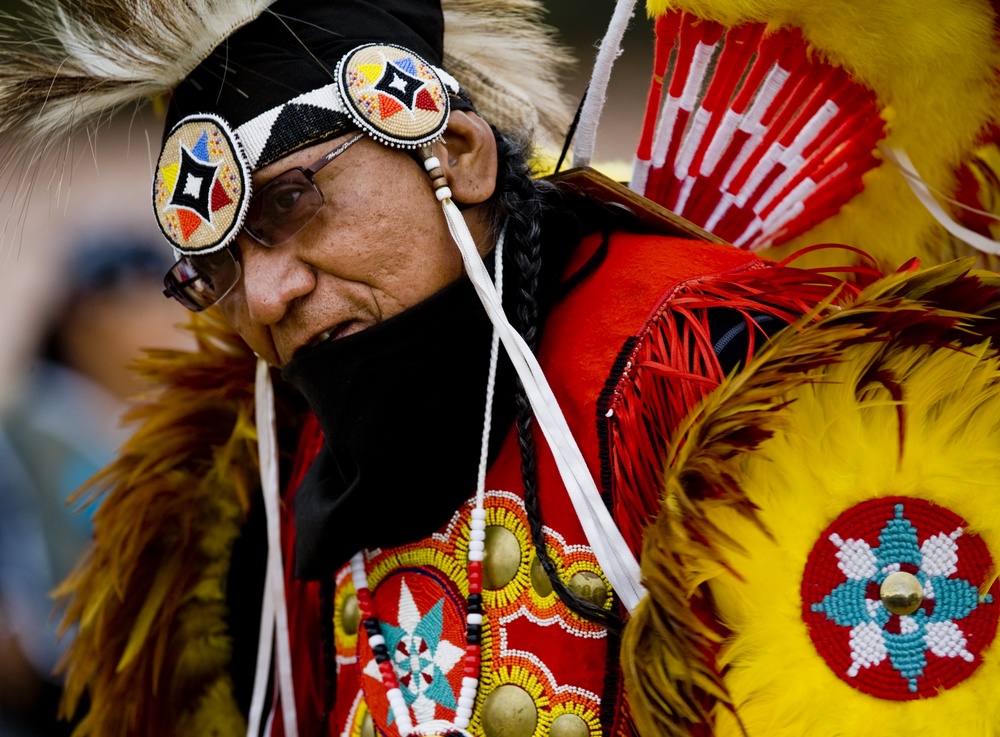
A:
(468, 156)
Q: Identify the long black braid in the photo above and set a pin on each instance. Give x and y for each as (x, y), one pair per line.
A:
(523, 202)
(327, 591)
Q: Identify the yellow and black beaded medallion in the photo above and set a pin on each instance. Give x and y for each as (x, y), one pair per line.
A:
(202, 186)
(394, 95)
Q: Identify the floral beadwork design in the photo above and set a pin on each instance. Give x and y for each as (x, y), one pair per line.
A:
(916, 653)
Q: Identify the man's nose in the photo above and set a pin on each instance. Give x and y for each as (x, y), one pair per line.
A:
(273, 279)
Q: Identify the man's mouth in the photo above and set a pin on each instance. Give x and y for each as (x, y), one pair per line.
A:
(332, 333)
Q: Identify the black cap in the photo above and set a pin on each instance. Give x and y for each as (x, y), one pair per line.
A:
(293, 48)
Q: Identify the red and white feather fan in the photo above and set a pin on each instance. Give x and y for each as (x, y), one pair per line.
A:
(755, 139)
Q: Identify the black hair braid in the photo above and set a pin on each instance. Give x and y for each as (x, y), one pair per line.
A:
(327, 646)
(522, 203)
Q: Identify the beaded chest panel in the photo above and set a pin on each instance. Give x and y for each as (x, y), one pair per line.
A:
(542, 666)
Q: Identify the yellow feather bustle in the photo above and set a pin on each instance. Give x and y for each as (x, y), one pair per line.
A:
(148, 601)
(933, 64)
(757, 474)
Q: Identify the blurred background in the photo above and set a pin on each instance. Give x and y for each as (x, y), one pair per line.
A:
(81, 265)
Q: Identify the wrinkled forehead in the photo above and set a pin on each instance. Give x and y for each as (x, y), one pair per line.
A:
(299, 74)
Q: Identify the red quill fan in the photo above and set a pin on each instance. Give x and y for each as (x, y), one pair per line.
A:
(755, 140)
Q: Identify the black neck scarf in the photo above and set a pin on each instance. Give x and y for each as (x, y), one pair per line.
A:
(401, 406)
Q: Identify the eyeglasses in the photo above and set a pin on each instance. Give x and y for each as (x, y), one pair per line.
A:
(278, 211)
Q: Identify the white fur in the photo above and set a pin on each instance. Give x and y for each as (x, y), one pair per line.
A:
(102, 55)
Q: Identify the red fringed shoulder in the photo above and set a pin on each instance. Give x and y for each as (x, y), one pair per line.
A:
(636, 331)
(590, 326)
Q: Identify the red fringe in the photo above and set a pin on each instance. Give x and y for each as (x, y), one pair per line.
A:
(673, 366)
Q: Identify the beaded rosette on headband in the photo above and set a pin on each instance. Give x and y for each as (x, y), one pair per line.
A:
(394, 95)
(201, 190)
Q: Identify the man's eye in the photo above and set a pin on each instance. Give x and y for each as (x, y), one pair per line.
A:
(282, 200)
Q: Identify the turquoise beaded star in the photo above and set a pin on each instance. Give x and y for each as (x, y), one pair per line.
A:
(876, 633)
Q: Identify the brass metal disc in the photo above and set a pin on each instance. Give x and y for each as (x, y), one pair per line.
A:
(350, 614)
(539, 579)
(509, 711)
(588, 585)
(368, 726)
(569, 725)
(502, 558)
(901, 593)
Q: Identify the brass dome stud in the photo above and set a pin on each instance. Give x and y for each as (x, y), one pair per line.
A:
(539, 579)
(588, 585)
(502, 557)
(901, 593)
(569, 725)
(350, 614)
(509, 711)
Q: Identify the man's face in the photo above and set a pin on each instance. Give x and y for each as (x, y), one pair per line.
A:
(378, 246)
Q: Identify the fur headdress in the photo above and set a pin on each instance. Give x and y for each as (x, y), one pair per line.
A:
(84, 59)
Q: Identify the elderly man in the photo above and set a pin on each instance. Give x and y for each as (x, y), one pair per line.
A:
(362, 226)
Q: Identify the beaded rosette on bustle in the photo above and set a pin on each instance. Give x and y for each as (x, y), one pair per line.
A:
(834, 508)
(932, 639)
